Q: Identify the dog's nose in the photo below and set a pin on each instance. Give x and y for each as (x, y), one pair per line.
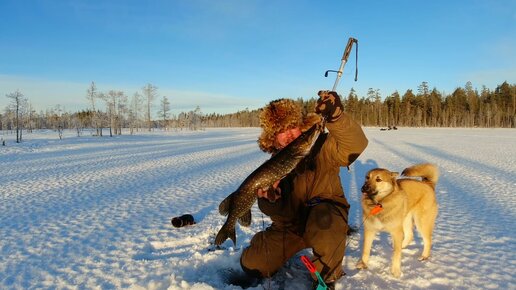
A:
(365, 188)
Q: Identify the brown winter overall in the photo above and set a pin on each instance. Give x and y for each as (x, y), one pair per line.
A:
(313, 211)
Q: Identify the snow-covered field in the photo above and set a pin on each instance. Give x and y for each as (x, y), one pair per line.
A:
(93, 212)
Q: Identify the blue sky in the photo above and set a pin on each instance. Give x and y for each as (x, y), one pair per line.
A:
(228, 55)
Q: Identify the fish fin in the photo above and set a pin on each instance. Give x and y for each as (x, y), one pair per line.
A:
(225, 233)
(232, 236)
(245, 220)
(225, 205)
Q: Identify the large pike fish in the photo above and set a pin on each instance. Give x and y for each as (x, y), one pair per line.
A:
(237, 206)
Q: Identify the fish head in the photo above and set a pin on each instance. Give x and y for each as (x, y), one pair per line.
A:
(304, 143)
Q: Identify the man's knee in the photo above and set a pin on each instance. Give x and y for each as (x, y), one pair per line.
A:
(327, 214)
(325, 224)
(247, 268)
(269, 250)
(254, 264)
(321, 216)
(256, 259)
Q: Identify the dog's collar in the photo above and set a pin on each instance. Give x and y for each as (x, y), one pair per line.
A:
(377, 206)
(376, 209)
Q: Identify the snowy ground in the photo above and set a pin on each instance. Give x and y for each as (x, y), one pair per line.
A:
(95, 212)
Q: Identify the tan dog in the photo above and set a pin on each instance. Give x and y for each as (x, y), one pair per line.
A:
(391, 205)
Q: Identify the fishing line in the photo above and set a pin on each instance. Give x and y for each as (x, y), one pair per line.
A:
(266, 253)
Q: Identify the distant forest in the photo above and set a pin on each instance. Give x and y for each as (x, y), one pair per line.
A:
(465, 107)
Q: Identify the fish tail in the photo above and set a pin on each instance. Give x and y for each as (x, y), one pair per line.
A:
(224, 233)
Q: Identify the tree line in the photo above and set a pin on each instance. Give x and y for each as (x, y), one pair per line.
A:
(464, 107)
(113, 110)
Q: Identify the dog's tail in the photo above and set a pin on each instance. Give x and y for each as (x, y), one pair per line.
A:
(427, 171)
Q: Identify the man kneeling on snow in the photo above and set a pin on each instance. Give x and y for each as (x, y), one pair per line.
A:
(310, 210)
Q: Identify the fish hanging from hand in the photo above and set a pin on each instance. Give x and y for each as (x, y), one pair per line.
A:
(237, 206)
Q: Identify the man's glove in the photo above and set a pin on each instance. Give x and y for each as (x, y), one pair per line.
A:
(329, 105)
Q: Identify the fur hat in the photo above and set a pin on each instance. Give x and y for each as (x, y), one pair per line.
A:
(280, 115)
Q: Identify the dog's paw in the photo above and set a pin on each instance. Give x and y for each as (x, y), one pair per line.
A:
(396, 272)
(361, 265)
(423, 258)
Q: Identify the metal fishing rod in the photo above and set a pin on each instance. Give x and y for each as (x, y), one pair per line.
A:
(345, 57)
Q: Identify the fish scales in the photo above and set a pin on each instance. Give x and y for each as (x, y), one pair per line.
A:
(237, 206)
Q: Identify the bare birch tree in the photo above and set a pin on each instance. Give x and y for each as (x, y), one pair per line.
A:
(134, 112)
(164, 112)
(195, 119)
(111, 99)
(91, 96)
(121, 110)
(18, 102)
(100, 116)
(149, 94)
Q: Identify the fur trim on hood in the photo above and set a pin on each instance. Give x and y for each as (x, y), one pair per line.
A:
(280, 115)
